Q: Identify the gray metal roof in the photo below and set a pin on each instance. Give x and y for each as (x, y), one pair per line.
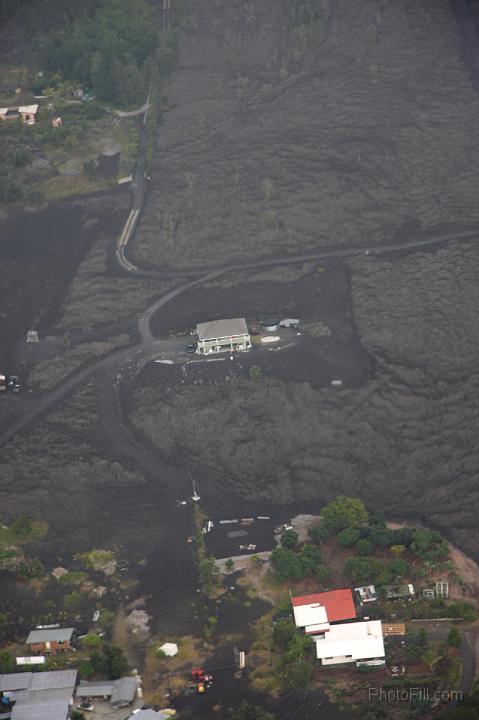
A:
(58, 635)
(100, 688)
(15, 681)
(42, 711)
(43, 705)
(54, 680)
(124, 691)
(221, 328)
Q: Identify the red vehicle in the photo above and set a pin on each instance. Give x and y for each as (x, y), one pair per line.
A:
(201, 679)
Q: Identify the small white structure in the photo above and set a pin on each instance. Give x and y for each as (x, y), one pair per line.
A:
(32, 336)
(366, 593)
(219, 336)
(36, 660)
(351, 642)
(169, 649)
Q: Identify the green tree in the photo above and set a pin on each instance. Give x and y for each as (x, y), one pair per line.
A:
(287, 564)
(7, 662)
(364, 547)
(310, 558)
(77, 715)
(349, 536)
(361, 569)
(318, 534)
(229, 565)
(92, 640)
(454, 637)
(344, 512)
(283, 632)
(86, 669)
(322, 574)
(429, 544)
(381, 536)
(398, 567)
(289, 539)
(208, 573)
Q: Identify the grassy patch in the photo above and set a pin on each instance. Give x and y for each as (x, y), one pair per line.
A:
(96, 559)
(24, 529)
(74, 577)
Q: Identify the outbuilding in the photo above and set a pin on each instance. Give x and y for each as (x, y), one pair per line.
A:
(270, 324)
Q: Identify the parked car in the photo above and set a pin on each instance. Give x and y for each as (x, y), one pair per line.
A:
(191, 348)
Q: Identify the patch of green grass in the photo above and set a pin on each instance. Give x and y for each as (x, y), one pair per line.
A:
(96, 559)
(74, 577)
(24, 529)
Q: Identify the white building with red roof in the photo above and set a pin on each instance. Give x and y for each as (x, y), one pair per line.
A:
(315, 613)
(329, 618)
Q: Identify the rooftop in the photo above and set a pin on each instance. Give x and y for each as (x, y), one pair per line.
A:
(336, 605)
(354, 641)
(221, 328)
(55, 635)
(50, 680)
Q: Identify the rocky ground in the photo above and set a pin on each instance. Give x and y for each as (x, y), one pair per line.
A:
(285, 132)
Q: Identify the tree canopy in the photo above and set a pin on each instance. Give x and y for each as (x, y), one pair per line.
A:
(344, 512)
(105, 50)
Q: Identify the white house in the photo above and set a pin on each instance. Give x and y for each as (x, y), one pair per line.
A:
(222, 336)
(359, 642)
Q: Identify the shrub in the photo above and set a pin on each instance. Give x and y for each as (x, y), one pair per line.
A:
(429, 544)
(310, 558)
(454, 637)
(289, 539)
(255, 373)
(287, 564)
(364, 547)
(91, 640)
(397, 550)
(403, 536)
(349, 536)
(283, 632)
(322, 574)
(381, 536)
(318, 534)
(344, 512)
(398, 567)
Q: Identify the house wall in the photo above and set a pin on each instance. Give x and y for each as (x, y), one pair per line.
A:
(51, 646)
(238, 342)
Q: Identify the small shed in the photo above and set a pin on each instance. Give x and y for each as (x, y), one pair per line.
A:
(289, 323)
(170, 649)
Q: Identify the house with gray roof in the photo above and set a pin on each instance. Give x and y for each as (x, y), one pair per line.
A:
(50, 640)
(121, 692)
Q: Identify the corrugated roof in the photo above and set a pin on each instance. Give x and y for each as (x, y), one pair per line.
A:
(124, 691)
(58, 635)
(339, 604)
(100, 688)
(221, 328)
(41, 711)
(54, 680)
(15, 681)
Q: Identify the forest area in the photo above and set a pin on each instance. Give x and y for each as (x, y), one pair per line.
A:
(101, 45)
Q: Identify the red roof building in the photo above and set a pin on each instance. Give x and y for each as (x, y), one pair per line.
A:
(338, 604)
